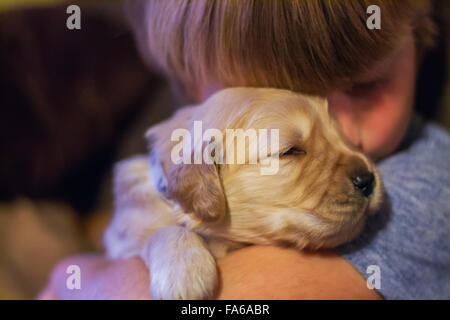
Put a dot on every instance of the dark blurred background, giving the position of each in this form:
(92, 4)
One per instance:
(72, 103)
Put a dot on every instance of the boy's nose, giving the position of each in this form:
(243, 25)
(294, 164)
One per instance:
(343, 109)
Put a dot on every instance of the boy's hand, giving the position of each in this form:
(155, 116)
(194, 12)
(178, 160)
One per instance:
(101, 279)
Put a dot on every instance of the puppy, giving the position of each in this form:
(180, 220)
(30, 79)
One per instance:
(180, 217)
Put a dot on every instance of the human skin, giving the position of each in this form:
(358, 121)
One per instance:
(373, 113)
(249, 273)
(375, 110)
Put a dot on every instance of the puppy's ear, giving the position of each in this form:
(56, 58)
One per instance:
(156, 134)
(198, 189)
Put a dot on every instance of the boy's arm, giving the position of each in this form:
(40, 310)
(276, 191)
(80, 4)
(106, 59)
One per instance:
(251, 273)
(259, 272)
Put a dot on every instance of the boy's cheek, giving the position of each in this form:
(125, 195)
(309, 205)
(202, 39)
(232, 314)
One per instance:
(375, 123)
(388, 118)
(375, 126)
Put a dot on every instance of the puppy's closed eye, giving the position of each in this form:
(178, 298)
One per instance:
(293, 151)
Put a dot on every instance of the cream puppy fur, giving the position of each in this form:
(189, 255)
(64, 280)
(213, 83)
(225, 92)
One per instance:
(180, 217)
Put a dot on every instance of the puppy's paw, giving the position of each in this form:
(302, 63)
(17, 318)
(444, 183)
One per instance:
(194, 280)
(181, 266)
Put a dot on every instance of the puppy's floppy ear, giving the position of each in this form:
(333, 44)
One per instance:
(156, 133)
(198, 189)
(158, 136)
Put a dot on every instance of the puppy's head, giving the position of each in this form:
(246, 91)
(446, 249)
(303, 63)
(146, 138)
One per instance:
(320, 195)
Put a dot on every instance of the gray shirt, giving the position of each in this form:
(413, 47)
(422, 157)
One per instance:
(405, 249)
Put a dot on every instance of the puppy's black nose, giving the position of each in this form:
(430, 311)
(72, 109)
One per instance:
(364, 181)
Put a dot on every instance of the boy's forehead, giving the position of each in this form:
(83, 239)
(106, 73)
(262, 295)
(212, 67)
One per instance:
(387, 63)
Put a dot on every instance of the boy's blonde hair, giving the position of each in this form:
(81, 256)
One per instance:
(302, 45)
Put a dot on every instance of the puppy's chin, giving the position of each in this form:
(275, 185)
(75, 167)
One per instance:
(343, 219)
(347, 222)
(315, 232)
(302, 229)
(338, 234)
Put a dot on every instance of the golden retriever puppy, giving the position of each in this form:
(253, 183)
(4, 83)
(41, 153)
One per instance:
(248, 166)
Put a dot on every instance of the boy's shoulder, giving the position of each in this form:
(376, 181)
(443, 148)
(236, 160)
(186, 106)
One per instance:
(422, 136)
(423, 165)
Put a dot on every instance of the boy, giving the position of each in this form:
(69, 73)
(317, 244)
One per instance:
(368, 76)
